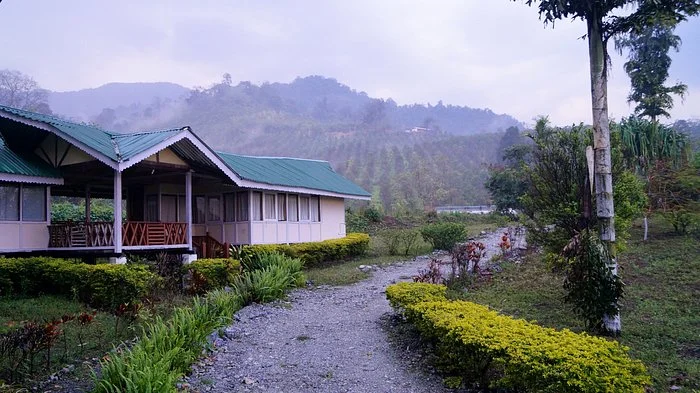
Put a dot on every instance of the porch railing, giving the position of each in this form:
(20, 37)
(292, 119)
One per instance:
(101, 234)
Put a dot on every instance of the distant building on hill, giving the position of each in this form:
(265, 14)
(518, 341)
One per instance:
(415, 130)
(478, 209)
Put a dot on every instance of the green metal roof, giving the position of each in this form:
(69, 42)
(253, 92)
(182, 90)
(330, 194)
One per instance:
(116, 147)
(15, 165)
(292, 172)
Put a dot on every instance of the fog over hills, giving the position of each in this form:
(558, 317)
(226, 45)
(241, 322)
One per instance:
(409, 156)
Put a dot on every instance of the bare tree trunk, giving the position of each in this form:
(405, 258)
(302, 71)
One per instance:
(601, 146)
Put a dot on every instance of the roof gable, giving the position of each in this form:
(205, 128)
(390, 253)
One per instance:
(12, 164)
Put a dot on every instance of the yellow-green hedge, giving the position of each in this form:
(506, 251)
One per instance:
(208, 274)
(102, 285)
(316, 253)
(481, 344)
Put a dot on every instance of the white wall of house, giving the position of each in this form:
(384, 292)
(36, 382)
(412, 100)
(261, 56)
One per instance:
(220, 217)
(24, 218)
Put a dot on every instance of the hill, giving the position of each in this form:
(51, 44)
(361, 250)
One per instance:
(85, 104)
(408, 156)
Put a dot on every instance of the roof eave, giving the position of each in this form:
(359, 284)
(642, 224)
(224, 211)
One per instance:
(73, 141)
(15, 178)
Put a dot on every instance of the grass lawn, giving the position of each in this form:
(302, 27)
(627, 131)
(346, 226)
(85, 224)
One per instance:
(660, 311)
(76, 342)
(347, 273)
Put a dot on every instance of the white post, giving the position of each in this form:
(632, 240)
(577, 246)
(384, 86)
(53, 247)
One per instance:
(117, 212)
(48, 204)
(88, 203)
(188, 207)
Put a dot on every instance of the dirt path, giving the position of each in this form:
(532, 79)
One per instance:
(327, 339)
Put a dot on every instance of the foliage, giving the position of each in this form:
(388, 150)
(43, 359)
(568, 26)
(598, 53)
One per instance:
(443, 236)
(400, 241)
(645, 142)
(209, 274)
(168, 348)
(490, 349)
(676, 193)
(21, 91)
(102, 285)
(592, 288)
(660, 306)
(647, 66)
(558, 201)
(466, 258)
(317, 253)
(431, 274)
(70, 209)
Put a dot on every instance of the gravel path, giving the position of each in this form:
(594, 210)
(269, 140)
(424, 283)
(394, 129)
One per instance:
(326, 339)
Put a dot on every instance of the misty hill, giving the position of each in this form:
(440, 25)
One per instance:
(408, 156)
(85, 104)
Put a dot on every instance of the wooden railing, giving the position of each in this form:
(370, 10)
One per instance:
(70, 234)
(208, 247)
(67, 234)
(154, 233)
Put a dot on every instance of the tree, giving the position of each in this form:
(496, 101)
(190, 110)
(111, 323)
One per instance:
(647, 66)
(21, 91)
(603, 21)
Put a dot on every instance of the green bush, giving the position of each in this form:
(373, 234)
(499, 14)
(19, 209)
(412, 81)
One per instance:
(102, 285)
(168, 348)
(316, 253)
(401, 241)
(490, 349)
(443, 236)
(208, 274)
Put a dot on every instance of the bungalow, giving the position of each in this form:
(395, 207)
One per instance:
(173, 192)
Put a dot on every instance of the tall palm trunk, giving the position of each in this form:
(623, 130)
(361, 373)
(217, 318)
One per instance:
(601, 147)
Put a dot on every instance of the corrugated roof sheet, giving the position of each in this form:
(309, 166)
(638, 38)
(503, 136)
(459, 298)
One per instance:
(15, 165)
(130, 145)
(291, 172)
(91, 136)
(116, 147)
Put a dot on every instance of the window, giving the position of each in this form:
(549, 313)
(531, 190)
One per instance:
(9, 203)
(214, 212)
(303, 208)
(181, 209)
(293, 208)
(152, 208)
(282, 207)
(168, 208)
(229, 207)
(314, 209)
(199, 210)
(242, 206)
(257, 206)
(270, 207)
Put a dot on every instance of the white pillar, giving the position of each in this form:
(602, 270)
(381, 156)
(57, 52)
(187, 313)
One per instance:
(117, 212)
(48, 204)
(188, 207)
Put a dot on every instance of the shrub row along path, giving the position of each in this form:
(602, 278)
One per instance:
(325, 339)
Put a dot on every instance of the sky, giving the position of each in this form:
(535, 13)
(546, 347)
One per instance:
(493, 54)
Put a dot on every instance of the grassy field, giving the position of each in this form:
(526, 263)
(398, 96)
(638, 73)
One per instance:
(77, 343)
(660, 311)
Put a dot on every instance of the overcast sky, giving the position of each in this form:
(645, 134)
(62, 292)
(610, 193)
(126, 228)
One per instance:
(488, 54)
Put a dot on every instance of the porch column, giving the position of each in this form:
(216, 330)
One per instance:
(188, 207)
(117, 212)
(88, 204)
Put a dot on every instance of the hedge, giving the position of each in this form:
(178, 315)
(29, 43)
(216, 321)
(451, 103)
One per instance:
(482, 345)
(317, 253)
(208, 274)
(102, 285)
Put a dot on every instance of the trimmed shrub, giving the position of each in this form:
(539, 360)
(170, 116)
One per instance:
(483, 346)
(102, 285)
(444, 236)
(168, 348)
(317, 253)
(208, 274)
